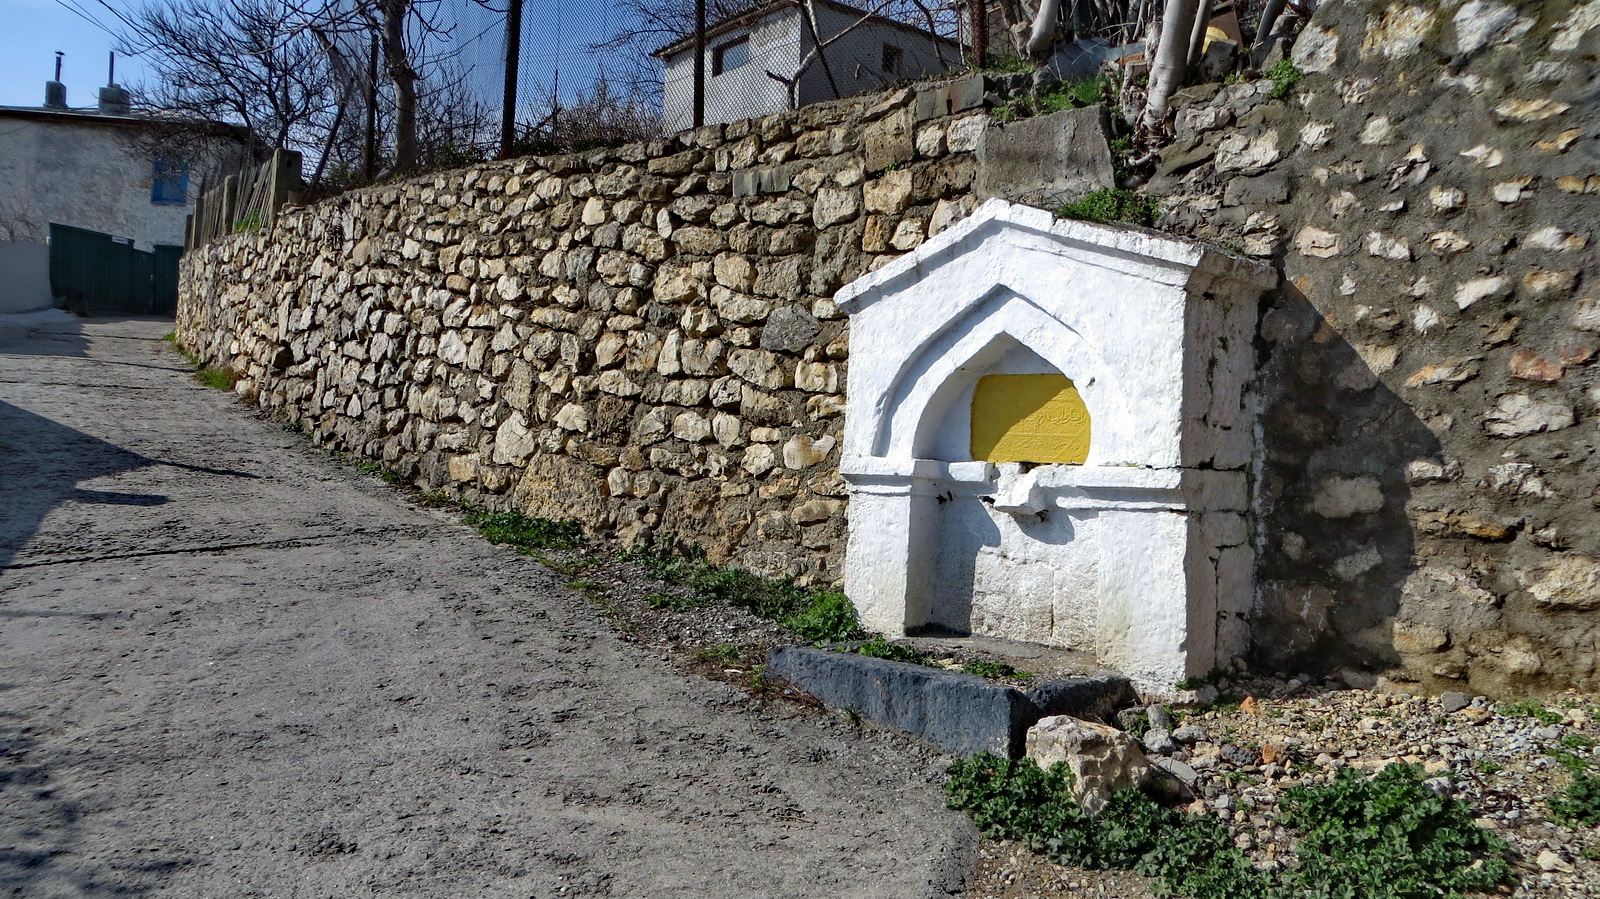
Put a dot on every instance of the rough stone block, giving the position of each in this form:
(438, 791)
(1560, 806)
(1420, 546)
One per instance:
(1046, 160)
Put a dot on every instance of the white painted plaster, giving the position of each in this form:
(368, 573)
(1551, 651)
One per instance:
(1124, 556)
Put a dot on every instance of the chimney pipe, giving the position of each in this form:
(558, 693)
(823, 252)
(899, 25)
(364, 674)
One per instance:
(114, 100)
(55, 93)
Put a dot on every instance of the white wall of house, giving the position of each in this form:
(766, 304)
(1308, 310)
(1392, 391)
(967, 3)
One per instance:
(857, 57)
(779, 43)
(740, 93)
(84, 174)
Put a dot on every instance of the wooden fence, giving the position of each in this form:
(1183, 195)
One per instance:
(244, 201)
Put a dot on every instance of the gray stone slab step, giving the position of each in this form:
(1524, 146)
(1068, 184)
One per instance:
(957, 713)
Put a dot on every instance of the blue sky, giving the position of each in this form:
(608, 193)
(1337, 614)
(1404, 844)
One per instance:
(555, 33)
(34, 29)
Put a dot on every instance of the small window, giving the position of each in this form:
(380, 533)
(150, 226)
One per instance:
(170, 185)
(892, 59)
(730, 56)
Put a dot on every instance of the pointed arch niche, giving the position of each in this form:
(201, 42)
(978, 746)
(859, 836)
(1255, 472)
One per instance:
(1101, 374)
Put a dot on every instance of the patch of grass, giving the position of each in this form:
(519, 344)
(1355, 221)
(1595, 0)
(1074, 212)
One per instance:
(879, 648)
(1577, 742)
(525, 533)
(1071, 95)
(217, 378)
(673, 602)
(435, 500)
(1527, 708)
(1567, 760)
(820, 616)
(1114, 204)
(1388, 837)
(1284, 76)
(1008, 64)
(723, 654)
(1488, 766)
(379, 470)
(171, 337)
(581, 584)
(994, 670)
(298, 426)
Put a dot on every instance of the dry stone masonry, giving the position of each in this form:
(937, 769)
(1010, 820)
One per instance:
(646, 338)
(1428, 480)
(642, 338)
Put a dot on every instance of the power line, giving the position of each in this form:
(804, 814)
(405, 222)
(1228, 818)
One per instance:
(85, 16)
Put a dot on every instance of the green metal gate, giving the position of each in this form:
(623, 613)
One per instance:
(99, 274)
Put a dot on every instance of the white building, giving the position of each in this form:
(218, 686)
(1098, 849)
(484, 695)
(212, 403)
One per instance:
(102, 169)
(765, 60)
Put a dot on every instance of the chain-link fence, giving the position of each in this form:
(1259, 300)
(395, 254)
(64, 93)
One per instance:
(524, 76)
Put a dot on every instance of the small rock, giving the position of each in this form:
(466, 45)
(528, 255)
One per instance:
(1189, 733)
(1442, 786)
(1159, 717)
(1159, 740)
(1101, 758)
(1549, 861)
(1454, 701)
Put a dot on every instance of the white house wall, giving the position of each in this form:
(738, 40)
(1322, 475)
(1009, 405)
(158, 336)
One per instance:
(856, 57)
(742, 93)
(85, 176)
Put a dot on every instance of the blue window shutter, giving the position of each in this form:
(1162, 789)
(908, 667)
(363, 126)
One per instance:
(170, 184)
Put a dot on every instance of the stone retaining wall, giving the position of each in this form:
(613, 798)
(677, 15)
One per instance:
(1429, 480)
(639, 338)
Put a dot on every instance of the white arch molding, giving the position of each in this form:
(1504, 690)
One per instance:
(1111, 556)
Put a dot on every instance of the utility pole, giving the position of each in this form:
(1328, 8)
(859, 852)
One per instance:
(980, 33)
(699, 63)
(508, 99)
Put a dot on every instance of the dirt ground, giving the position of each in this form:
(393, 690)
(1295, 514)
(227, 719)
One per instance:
(231, 666)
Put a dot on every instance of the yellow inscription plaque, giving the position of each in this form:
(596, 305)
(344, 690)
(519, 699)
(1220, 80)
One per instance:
(1029, 418)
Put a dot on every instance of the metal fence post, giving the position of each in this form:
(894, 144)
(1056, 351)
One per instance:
(699, 63)
(508, 100)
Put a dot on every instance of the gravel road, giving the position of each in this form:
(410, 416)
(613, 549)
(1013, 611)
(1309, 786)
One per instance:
(231, 666)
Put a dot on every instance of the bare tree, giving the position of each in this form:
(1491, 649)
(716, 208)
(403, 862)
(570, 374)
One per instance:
(240, 61)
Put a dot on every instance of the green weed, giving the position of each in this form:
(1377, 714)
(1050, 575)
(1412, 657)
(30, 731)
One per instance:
(1577, 742)
(217, 378)
(723, 654)
(1009, 64)
(525, 533)
(879, 648)
(994, 670)
(1389, 837)
(379, 470)
(819, 616)
(1284, 77)
(1113, 205)
(673, 602)
(1527, 708)
(1488, 766)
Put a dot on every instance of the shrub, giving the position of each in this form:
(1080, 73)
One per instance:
(1284, 77)
(830, 618)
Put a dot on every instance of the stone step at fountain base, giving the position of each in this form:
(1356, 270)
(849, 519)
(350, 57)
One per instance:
(952, 711)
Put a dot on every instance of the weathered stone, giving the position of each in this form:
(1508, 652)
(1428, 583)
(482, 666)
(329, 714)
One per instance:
(1248, 153)
(890, 140)
(1316, 50)
(1530, 366)
(1344, 497)
(1314, 241)
(789, 329)
(1047, 159)
(835, 205)
(803, 452)
(1469, 292)
(572, 417)
(1518, 414)
(1101, 758)
(1570, 582)
(890, 194)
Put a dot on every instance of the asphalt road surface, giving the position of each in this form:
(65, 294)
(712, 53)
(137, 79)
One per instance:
(232, 666)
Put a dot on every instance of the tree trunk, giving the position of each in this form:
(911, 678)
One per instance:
(404, 78)
(1171, 60)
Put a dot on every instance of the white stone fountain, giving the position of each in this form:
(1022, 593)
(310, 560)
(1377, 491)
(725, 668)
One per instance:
(1048, 438)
